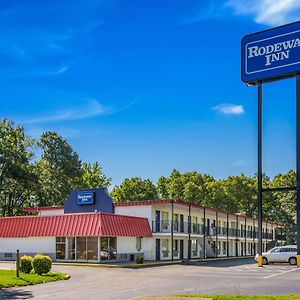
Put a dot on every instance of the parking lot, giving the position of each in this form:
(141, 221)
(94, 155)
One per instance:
(240, 276)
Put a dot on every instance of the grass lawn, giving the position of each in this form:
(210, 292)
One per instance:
(241, 297)
(8, 278)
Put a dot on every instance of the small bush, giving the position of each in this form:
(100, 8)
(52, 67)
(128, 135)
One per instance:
(41, 264)
(26, 264)
(139, 259)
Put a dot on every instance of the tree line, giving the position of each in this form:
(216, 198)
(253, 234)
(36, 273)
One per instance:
(42, 172)
(236, 194)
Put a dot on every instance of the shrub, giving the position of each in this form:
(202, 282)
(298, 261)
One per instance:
(26, 264)
(41, 264)
(139, 259)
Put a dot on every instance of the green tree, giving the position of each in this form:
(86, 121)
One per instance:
(198, 188)
(285, 210)
(16, 173)
(176, 186)
(58, 170)
(134, 189)
(92, 176)
(163, 187)
(217, 197)
(241, 191)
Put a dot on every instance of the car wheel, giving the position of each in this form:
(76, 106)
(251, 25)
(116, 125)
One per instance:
(293, 261)
(265, 261)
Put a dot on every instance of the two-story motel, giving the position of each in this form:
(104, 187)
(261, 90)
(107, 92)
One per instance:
(91, 227)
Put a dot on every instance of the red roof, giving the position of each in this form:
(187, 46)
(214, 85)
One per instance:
(85, 224)
(36, 209)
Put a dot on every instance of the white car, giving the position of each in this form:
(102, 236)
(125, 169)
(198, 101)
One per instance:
(280, 254)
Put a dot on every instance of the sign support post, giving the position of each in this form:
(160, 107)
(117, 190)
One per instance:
(267, 56)
(259, 173)
(298, 164)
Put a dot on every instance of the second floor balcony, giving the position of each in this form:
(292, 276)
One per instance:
(165, 226)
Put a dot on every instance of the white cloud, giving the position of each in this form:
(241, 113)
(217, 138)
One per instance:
(209, 9)
(229, 109)
(268, 12)
(91, 108)
(61, 70)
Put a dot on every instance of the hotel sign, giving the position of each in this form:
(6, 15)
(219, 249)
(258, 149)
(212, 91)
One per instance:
(271, 54)
(84, 198)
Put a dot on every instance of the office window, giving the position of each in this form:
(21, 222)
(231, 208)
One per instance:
(72, 248)
(81, 248)
(60, 248)
(92, 248)
(112, 248)
(108, 248)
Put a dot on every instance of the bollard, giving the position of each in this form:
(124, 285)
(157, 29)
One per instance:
(18, 264)
(260, 261)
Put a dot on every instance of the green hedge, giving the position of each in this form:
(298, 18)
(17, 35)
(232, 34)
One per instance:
(26, 264)
(41, 264)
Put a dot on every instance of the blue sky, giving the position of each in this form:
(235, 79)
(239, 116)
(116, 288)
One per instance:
(146, 86)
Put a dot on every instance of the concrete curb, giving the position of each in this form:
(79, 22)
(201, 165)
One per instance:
(150, 264)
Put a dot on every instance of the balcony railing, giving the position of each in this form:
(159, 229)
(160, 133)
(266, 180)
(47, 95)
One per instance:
(164, 226)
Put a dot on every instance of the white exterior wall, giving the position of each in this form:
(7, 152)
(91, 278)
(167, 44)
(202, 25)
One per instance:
(128, 245)
(30, 246)
(51, 212)
(143, 211)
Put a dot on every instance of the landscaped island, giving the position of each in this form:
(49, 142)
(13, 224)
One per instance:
(8, 278)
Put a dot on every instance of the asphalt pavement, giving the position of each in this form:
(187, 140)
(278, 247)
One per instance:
(213, 277)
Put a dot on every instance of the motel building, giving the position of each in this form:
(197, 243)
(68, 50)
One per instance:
(90, 227)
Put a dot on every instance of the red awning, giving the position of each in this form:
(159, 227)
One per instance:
(85, 224)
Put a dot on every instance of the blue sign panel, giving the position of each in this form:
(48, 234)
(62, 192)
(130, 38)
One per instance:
(85, 198)
(271, 54)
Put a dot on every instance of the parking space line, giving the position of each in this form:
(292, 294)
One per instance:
(281, 273)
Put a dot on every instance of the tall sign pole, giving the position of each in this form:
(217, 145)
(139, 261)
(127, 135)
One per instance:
(298, 164)
(266, 56)
(259, 173)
